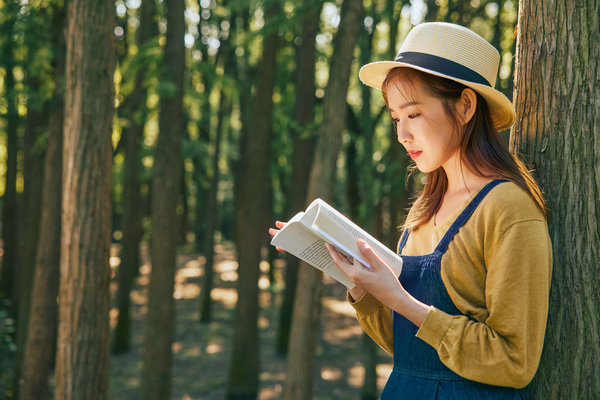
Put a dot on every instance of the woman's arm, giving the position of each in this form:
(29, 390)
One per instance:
(505, 348)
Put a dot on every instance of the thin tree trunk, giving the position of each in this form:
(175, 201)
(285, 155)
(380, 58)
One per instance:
(31, 203)
(302, 158)
(83, 333)
(9, 200)
(40, 344)
(557, 98)
(307, 309)
(213, 216)
(166, 180)
(132, 212)
(252, 222)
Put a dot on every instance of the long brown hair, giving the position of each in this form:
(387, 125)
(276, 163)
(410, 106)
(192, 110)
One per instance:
(481, 149)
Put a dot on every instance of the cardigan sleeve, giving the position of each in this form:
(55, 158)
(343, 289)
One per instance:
(505, 348)
(376, 319)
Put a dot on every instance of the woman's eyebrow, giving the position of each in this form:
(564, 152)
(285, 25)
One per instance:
(403, 106)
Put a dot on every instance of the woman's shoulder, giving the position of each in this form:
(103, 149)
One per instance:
(510, 203)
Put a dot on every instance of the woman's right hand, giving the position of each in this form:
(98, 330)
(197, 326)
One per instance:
(273, 231)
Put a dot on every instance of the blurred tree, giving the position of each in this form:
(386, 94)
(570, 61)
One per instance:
(134, 108)
(212, 201)
(557, 99)
(303, 145)
(83, 333)
(307, 308)
(40, 344)
(166, 180)
(8, 278)
(34, 19)
(251, 222)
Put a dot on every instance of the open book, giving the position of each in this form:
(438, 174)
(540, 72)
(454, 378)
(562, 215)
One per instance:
(304, 236)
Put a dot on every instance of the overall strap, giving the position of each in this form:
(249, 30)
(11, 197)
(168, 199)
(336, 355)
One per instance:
(404, 239)
(464, 216)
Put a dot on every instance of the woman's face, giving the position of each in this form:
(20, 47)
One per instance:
(423, 127)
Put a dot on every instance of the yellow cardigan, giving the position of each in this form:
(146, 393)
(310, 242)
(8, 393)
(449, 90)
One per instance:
(497, 271)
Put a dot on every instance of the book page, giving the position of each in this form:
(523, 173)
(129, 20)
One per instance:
(343, 233)
(299, 241)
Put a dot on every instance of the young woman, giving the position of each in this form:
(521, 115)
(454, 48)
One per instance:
(467, 316)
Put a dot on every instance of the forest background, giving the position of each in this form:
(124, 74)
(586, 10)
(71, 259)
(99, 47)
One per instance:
(146, 147)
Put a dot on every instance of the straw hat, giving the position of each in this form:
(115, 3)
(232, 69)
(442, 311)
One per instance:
(453, 52)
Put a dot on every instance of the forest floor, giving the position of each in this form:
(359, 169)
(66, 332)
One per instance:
(202, 351)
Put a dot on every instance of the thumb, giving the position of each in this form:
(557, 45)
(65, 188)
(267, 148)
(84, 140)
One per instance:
(369, 255)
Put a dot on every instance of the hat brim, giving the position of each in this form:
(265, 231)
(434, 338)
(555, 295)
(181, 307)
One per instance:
(501, 108)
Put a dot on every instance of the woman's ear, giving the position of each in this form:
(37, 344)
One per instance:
(467, 104)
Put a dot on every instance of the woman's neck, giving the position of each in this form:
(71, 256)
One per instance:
(461, 180)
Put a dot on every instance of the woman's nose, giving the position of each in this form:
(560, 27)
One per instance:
(402, 132)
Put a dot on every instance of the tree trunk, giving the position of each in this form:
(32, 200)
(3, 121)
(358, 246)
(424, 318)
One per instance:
(132, 212)
(166, 181)
(83, 333)
(302, 158)
(29, 232)
(39, 347)
(252, 223)
(307, 309)
(9, 200)
(212, 215)
(557, 100)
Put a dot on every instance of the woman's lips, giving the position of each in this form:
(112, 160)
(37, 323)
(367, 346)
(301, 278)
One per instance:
(414, 154)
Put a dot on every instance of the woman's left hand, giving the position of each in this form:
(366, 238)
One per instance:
(381, 282)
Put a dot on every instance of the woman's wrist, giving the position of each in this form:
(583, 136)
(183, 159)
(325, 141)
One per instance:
(356, 293)
(409, 307)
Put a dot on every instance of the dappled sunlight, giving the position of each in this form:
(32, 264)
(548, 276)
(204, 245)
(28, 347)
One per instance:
(331, 374)
(263, 322)
(264, 266)
(176, 347)
(186, 291)
(264, 283)
(191, 269)
(213, 348)
(228, 297)
(356, 375)
(338, 306)
(226, 266)
(114, 261)
(337, 336)
(113, 316)
(383, 373)
(271, 392)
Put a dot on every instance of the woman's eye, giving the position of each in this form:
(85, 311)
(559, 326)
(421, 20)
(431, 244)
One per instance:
(412, 116)
(395, 120)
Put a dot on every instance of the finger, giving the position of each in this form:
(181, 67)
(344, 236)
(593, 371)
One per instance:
(273, 232)
(369, 255)
(279, 224)
(337, 257)
(279, 249)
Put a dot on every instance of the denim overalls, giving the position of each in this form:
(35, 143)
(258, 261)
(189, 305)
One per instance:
(418, 373)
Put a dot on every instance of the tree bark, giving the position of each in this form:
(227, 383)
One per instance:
(302, 158)
(40, 344)
(307, 309)
(83, 333)
(9, 200)
(31, 210)
(132, 198)
(166, 181)
(252, 224)
(557, 99)
(212, 214)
